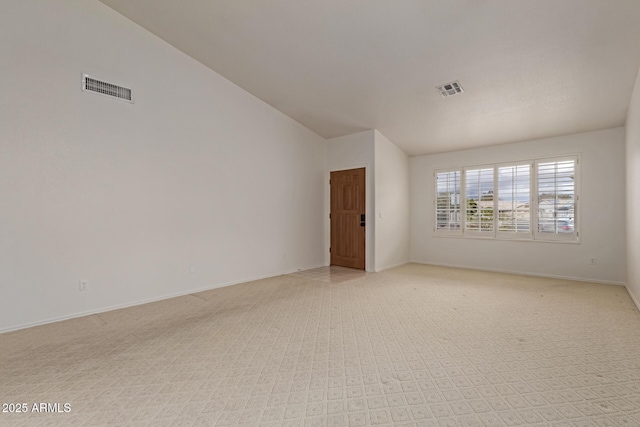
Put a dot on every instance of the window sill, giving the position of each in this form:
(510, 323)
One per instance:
(504, 239)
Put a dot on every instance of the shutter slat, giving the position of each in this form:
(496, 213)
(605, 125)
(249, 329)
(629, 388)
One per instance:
(479, 206)
(556, 196)
(514, 199)
(448, 201)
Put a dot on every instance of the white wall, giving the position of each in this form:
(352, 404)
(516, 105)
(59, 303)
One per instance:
(391, 204)
(128, 196)
(351, 152)
(633, 194)
(601, 216)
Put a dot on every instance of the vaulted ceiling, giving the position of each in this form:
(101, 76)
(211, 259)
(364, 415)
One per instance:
(529, 68)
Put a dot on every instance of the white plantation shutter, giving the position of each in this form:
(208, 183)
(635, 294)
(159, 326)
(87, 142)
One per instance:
(556, 188)
(448, 201)
(514, 199)
(534, 200)
(479, 206)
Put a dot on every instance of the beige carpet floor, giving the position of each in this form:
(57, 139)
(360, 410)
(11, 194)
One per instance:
(412, 346)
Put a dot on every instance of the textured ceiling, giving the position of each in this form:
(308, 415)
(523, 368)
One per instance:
(529, 68)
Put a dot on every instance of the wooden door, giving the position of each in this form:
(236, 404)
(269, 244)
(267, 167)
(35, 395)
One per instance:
(347, 215)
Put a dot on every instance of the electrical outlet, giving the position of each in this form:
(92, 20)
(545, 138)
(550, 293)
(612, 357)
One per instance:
(592, 261)
(192, 269)
(82, 285)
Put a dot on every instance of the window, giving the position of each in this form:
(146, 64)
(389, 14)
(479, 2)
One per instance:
(479, 200)
(521, 200)
(556, 187)
(514, 199)
(448, 201)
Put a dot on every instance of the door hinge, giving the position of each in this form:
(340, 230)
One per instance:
(329, 216)
(329, 249)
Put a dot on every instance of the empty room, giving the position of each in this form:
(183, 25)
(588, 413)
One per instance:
(320, 213)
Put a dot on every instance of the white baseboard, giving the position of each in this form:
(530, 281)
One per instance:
(131, 304)
(378, 270)
(524, 273)
(222, 285)
(633, 297)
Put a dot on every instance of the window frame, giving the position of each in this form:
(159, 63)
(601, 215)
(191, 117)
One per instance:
(533, 234)
(515, 235)
(463, 217)
(449, 231)
(559, 237)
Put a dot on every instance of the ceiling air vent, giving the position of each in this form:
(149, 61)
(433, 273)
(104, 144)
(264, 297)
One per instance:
(109, 89)
(450, 89)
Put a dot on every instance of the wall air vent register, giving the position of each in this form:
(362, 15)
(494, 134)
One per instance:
(90, 84)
